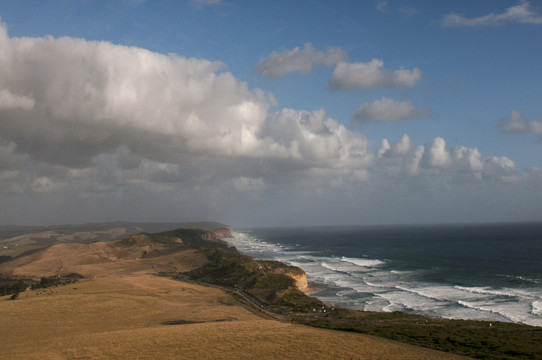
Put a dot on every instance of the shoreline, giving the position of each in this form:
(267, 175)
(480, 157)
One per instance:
(314, 289)
(474, 338)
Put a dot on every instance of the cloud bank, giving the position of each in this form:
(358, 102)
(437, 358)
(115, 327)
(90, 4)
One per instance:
(521, 14)
(93, 131)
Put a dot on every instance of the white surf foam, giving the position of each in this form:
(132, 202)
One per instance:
(334, 268)
(362, 262)
(489, 291)
(482, 308)
(422, 292)
(536, 308)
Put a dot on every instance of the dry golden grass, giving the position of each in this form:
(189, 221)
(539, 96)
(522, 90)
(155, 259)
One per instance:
(98, 259)
(121, 317)
(16, 245)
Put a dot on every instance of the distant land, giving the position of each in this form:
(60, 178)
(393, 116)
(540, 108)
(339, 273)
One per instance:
(15, 240)
(148, 290)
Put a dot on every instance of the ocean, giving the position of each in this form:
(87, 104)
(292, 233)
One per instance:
(484, 272)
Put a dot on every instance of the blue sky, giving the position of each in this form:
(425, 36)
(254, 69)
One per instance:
(344, 112)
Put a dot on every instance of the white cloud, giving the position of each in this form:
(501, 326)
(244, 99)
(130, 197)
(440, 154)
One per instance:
(396, 149)
(387, 109)
(371, 75)
(516, 123)
(299, 60)
(91, 97)
(513, 124)
(125, 114)
(521, 14)
(435, 163)
(468, 159)
(435, 154)
(314, 139)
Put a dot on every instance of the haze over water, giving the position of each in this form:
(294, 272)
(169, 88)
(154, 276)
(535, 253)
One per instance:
(486, 272)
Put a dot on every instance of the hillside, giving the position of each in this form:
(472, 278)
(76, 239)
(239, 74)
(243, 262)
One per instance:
(121, 309)
(149, 317)
(16, 240)
(170, 251)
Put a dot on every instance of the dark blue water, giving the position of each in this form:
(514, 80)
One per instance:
(491, 272)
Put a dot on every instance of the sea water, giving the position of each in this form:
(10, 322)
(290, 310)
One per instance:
(484, 272)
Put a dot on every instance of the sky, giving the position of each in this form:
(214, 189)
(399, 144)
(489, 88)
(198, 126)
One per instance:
(276, 113)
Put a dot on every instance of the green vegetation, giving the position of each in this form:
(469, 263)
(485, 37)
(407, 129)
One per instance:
(192, 238)
(9, 286)
(167, 242)
(264, 280)
(478, 339)
(46, 282)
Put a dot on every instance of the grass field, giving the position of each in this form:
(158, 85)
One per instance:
(124, 317)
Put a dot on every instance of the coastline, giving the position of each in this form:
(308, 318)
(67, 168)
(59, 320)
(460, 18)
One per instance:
(474, 338)
(380, 285)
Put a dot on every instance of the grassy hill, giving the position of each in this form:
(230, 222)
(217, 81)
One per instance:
(17, 240)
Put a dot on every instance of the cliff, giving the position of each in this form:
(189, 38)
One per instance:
(301, 282)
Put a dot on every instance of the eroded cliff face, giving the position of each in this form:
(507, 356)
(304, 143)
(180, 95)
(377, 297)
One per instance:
(301, 282)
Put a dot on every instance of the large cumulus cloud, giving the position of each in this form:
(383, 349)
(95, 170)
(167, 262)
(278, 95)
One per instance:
(74, 104)
(67, 100)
